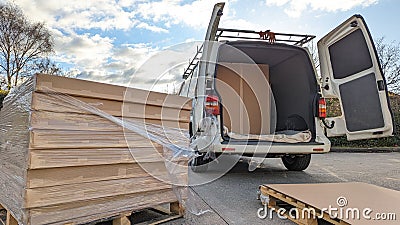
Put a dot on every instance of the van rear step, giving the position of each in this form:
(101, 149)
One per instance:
(258, 142)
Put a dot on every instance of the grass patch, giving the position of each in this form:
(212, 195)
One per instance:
(3, 94)
(334, 110)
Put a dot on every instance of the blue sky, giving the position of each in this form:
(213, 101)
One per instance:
(108, 40)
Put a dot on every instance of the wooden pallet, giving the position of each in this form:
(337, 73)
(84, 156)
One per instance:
(277, 200)
(9, 220)
(172, 212)
(333, 203)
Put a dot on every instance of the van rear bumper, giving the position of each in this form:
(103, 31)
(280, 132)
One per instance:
(271, 148)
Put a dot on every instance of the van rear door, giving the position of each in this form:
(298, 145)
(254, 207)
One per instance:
(351, 72)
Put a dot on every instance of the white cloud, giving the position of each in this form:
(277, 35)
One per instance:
(112, 65)
(195, 14)
(132, 56)
(165, 67)
(97, 58)
(100, 56)
(122, 14)
(92, 55)
(151, 28)
(294, 8)
(240, 24)
(78, 14)
(86, 50)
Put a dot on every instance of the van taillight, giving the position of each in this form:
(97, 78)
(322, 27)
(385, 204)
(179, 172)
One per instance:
(322, 108)
(212, 105)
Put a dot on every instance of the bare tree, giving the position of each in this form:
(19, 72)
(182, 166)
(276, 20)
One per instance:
(3, 83)
(22, 43)
(312, 48)
(47, 66)
(389, 58)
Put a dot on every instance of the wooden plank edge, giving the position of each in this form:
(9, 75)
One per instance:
(177, 208)
(123, 220)
(186, 106)
(41, 167)
(10, 219)
(170, 218)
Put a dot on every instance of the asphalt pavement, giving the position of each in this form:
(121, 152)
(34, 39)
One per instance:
(231, 199)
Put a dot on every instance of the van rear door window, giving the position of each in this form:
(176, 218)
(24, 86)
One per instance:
(350, 55)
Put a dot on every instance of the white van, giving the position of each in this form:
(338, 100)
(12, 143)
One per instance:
(258, 93)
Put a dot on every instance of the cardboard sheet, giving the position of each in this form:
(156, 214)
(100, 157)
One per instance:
(246, 97)
(48, 102)
(76, 87)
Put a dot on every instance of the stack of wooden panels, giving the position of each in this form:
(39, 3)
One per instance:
(64, 162)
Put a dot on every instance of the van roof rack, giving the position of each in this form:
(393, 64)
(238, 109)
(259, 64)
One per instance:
(294, 39)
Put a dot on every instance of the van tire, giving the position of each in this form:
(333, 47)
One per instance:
(296, 162)
(198, 164)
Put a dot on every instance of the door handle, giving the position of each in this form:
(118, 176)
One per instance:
(381, 85)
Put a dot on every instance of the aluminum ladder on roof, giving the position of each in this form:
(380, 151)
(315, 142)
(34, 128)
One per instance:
(188, 72)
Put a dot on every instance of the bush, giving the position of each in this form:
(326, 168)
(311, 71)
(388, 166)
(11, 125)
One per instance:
(3, 94)
(380, 142)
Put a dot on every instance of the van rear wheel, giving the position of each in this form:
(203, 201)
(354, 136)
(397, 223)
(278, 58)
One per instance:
(296, 162)
(198, 164)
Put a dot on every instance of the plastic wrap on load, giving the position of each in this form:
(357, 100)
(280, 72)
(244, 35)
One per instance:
(85, 154)
(14, 143)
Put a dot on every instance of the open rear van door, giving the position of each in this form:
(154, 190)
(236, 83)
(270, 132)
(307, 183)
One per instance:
(351, 72)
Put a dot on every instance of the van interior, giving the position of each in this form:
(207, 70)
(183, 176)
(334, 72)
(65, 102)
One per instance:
(244, 71)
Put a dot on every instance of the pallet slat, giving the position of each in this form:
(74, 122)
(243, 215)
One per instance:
(121, 221)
